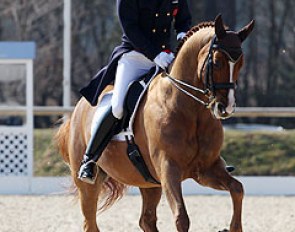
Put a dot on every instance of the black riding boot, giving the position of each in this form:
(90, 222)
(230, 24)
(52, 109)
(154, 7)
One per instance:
(103, 133)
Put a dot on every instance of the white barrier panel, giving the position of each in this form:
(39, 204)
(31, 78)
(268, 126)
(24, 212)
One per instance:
(261, 186)
(15, 152)
(16, 132)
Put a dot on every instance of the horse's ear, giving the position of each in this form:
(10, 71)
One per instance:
(219, 27)
(245, 31)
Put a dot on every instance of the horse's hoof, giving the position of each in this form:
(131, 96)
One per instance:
(224, 230)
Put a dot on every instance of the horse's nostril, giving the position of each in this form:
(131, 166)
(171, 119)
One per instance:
(221, 108)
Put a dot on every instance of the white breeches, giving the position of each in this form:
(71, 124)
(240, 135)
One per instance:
(131, 66)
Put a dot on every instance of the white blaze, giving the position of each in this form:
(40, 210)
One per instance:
(231, 94)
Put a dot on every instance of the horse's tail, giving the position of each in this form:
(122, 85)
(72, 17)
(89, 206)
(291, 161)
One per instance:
(62, 140)
(111, 192)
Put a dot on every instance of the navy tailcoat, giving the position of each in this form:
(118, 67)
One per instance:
(146, 26)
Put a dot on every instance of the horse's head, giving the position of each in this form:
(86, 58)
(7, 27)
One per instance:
(219, 65)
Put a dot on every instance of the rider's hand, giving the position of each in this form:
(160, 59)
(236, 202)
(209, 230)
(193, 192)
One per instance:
(163, 59)
(180, 36)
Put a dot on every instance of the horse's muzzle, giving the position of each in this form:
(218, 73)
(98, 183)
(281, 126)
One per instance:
(220, 111)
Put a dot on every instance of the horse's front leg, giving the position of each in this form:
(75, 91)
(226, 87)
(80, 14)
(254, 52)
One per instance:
(150, 200)
(218, 178)
(171, 184)
(237, 193)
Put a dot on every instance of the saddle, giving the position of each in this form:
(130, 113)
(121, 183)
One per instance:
(124, 131)
(133, 97)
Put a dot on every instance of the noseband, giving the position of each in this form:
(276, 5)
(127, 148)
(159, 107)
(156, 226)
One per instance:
(210, 86)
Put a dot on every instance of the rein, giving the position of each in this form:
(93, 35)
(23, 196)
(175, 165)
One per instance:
(177, 84)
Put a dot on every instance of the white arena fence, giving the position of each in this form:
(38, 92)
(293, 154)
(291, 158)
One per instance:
(249, 112)
(19, 181)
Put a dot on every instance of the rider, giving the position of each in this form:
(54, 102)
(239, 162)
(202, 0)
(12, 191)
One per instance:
(145, 43)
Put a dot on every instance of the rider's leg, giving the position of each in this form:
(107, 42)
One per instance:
(130, 67)
(102, 132)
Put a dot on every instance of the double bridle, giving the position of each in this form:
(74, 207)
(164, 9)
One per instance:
(209, 86)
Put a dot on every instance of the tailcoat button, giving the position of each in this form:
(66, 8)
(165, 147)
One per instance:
(154, 30)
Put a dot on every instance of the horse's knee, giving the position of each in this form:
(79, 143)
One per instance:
(237, 188)
(148, 221)
(147, 217)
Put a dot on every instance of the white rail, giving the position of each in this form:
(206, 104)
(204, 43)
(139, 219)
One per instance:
(38, 110)
(272, 112)
(251, 112)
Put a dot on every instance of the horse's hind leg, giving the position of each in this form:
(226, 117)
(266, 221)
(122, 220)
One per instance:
(88, 195)
(218, 178)
(150, 200)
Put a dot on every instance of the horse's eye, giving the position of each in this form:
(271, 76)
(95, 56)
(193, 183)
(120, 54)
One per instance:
(217, 64)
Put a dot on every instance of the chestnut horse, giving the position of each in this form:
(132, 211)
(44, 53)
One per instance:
(177, 129)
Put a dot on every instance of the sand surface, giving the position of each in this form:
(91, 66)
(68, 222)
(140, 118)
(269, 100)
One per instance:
(60, 213)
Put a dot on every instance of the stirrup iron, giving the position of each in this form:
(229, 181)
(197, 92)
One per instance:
(82, 174)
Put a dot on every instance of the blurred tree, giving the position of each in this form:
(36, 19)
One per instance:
(268, 77)
(226, 7)
(196, 9)
(95, 33)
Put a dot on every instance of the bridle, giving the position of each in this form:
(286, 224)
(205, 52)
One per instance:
(209, 80)
(210, 86)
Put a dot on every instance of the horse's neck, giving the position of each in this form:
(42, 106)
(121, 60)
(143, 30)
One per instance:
(186, 62)
(185, 68)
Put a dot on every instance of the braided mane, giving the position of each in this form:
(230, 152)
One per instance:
(192, 31)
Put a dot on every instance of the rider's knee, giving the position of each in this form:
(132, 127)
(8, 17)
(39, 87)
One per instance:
(117, 110)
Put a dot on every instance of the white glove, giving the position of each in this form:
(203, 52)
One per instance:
(163, 59)
(180, 35)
